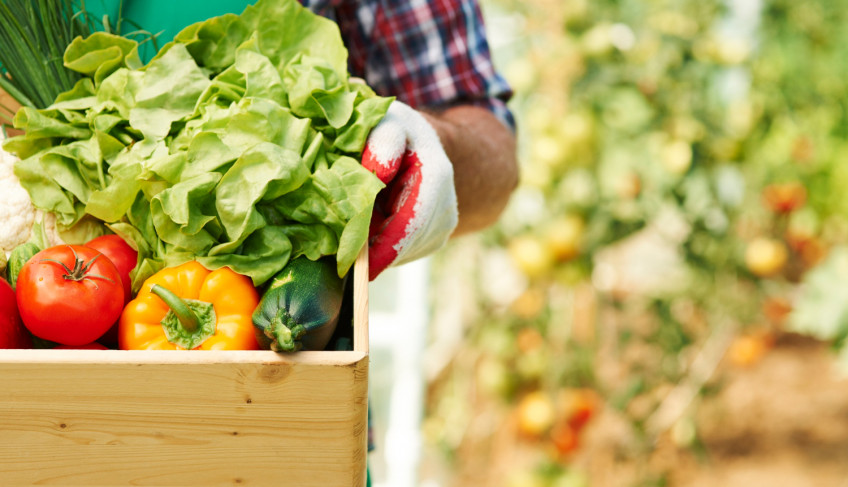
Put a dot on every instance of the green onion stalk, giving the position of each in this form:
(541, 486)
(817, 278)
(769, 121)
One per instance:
(33, 37)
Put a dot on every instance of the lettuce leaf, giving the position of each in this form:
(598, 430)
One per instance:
(236, 145)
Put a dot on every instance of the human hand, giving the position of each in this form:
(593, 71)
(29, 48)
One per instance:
(415, 214)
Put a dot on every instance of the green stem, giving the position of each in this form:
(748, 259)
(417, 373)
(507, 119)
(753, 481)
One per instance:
(285, 333)
(81, 267)
(181, 310)
(15, 93)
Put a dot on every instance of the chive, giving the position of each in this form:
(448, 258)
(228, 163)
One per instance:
(33, 38)
(8, 87)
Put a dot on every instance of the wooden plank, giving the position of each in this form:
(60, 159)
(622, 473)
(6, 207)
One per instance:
(294, 420)
(8, 104)
(164, 357)
(360, 302)
(8, 107)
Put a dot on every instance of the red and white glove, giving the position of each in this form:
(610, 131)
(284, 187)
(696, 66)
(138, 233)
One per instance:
(416, 212)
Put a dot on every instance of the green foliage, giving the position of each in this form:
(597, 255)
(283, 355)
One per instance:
(34, 34)
(706, 162)
(241, 155)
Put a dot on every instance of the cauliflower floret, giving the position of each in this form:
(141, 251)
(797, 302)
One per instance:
(16, 210)
(17, 213)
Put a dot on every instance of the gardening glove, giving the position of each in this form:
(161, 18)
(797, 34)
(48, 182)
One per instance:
(415, 214)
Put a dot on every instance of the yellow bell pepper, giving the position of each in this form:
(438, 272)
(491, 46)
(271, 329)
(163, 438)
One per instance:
(190, 307)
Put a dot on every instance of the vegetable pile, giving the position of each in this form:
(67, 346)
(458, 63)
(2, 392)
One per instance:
(72, 296)
(235, 146)
(186, 188)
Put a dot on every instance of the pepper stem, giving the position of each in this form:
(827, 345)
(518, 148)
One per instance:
(179, 307)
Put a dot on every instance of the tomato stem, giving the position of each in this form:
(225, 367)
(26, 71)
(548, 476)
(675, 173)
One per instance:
(181, 310)
(81, 268)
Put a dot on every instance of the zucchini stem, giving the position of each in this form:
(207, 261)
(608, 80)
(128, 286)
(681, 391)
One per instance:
(285, 333)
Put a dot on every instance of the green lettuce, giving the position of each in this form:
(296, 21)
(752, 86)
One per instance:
(236, 145)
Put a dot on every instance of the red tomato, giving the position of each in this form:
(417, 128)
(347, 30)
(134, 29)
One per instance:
(69, 294)
(121, 254)
(125, 258)
(578, 406)
(565, 438)
(12, 331)
(784, 197)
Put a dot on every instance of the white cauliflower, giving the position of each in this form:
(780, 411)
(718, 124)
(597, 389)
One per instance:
(16, 210)
(17, 213)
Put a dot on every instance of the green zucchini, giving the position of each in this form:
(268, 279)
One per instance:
(301, 307)
(17, 258)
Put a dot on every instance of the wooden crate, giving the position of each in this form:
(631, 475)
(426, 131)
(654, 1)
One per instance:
(181, 418)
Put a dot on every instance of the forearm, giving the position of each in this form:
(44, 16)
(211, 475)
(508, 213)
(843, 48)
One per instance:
(483, 153)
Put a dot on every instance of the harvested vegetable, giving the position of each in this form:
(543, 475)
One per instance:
(69, 294)
(237, 145)
(16, 211)
(300, 308)
(125, 258)
(19, 256)
(12, 331)
(34, 34)
(121, 254)
(189, 307)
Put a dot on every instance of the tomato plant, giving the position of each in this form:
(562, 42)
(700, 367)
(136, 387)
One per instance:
(749, 348)
(565, 439)
(578, 406)
(536, 414)
(660, 212)
(784, 197)
(765, 256)
(531, 255)
(12, 332)
(69, 294)
(564, 236)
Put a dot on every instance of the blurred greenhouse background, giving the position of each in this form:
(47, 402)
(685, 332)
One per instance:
(664, 302)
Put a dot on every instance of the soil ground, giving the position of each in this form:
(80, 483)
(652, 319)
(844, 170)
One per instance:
(782, 422)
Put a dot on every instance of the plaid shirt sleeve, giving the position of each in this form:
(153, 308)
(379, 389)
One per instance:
(427, 53)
